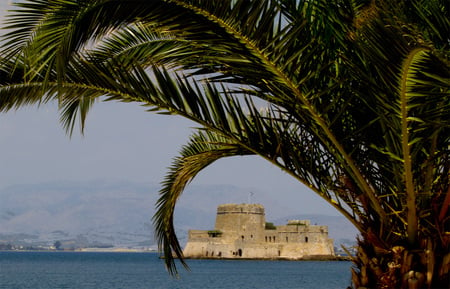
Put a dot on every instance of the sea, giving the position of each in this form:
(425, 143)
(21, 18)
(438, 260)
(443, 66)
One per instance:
(112, 270)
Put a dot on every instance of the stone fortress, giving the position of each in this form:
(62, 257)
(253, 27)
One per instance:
(241, 232)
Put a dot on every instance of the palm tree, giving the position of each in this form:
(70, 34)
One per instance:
(349, 97)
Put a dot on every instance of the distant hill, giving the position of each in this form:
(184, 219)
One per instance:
(119, 213)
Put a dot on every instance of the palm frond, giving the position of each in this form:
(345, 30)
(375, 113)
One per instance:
(204, 148)
(351, 98)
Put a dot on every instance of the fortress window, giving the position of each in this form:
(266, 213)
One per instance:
(287, 239)
(306, 239)
(242, 237)
(240, 252)
(266, 239)
(274, 238)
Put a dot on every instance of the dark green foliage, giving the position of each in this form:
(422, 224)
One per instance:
(351, 98)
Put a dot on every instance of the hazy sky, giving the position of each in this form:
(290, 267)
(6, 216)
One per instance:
(124, 142)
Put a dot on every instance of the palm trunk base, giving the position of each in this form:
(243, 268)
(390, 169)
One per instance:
(399, 267)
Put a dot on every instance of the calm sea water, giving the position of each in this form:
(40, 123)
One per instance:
(58, 270)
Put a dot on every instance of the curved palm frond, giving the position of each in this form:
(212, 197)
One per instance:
(278, 80)
(268, 133)
(204, 148)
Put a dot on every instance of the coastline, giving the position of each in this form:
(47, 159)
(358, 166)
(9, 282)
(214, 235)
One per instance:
(88, 250)
(115, 250)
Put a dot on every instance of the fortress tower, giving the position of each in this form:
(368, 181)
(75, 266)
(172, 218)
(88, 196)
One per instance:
(240, 219)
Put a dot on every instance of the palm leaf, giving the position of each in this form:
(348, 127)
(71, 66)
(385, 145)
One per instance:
(204, 148)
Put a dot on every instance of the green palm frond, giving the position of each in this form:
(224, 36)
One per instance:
(204, 148)
(141, 43)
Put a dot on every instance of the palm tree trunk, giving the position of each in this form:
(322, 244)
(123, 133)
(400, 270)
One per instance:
(400, 267)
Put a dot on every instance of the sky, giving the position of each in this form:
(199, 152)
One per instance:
(125, 142)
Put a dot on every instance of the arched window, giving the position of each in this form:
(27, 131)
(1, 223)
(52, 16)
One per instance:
(240, 252)
(287, 239)
(306, 239)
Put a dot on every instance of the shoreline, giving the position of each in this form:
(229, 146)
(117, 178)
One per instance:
(309, 258)
(89, 250)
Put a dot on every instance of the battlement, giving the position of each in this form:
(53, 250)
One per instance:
(256, 209)
(299, 222)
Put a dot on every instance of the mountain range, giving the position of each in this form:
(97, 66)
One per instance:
(119, 214)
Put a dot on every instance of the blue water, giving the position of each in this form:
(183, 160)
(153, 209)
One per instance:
(58, 270)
